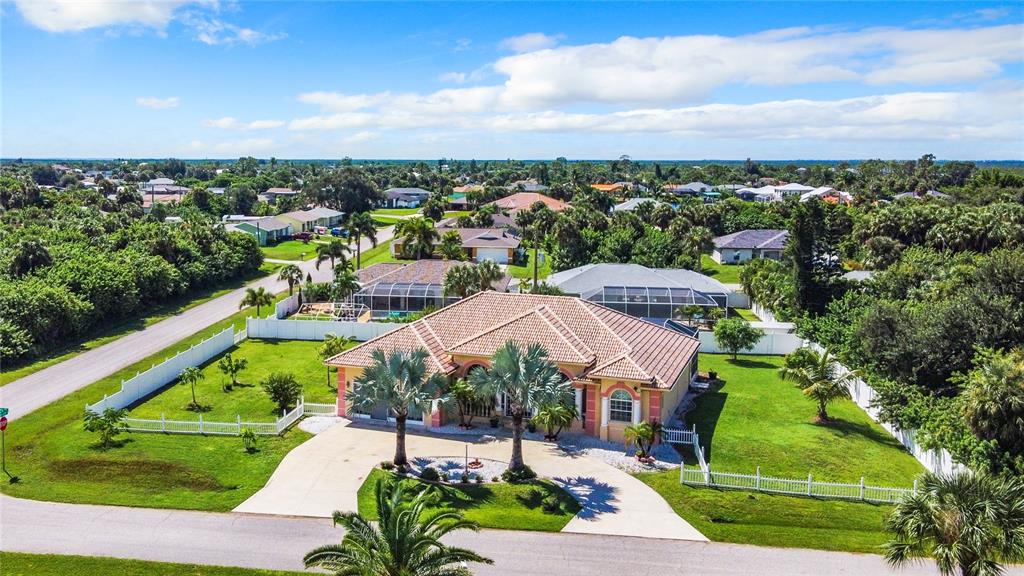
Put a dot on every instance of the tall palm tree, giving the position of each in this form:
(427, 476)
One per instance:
(346, 283)
(696, 242)
(819, 378)
(29, 254)
(487, 273)
(361, 225)
(418, 236)
(524, 378)
(969, 523)
(450, 247)
(398, 380)
(257, 297)
(460, 281)
(292, 274)
(405, 542)
(334, 250)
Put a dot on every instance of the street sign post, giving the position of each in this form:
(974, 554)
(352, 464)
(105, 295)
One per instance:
(3, 445)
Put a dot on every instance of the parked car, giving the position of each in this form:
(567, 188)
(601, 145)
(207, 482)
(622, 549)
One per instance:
(304, 236)
(338, 232)
(320, 230)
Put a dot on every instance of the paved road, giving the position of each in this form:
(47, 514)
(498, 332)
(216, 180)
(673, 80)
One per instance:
(45, 386)
(254, 541)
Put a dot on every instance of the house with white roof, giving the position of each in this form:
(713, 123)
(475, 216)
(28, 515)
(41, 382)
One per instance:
(633, 203)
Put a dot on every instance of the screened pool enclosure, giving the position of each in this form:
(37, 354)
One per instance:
(650, 302)
(398, 299)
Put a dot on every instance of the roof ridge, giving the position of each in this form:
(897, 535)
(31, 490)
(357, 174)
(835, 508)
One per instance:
(426, 345)
(781, 232)
(548, 315)
(490, 328)
(586, 305)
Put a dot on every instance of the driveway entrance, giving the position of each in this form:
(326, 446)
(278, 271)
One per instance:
(325, 473)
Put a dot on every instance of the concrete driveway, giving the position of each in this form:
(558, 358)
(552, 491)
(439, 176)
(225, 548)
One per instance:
(324, 474)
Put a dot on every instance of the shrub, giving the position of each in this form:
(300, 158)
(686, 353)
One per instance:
(248, 439)
(734, 335)
(479, 479)
(495, 479)
(430, 475)
(521, 475)
(107, 424)
(387, 465)
(464, 478)
(282, 389)
(551, 505)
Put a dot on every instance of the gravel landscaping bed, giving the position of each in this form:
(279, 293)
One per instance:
(317, 424)
(618, 455)
(447, 465)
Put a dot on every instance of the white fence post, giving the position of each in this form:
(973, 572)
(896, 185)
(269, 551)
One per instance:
(810, 483)
(862, 487)
(200, 423)
(757, 481)
(238, 420)
(163, 422)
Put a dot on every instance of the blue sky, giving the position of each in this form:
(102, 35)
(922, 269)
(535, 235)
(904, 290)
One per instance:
(525, 80)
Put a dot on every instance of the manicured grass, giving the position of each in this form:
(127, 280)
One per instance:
(756, 419)
(525, 271)
(57, 460)
(378, 254)
(385, 221)
(457, 213)
(725, 273)
(290, 250)
(771, 520)
(744, 313)
(394, 211)
(492, 505)
(152, 316)
(246, 399)
(17, 564)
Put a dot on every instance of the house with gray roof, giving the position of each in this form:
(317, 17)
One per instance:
(644, 292)
(267, 230)
(405, 197)
(310, 220)
(745, 245)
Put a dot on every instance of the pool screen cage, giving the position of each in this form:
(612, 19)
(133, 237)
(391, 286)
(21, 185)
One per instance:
(391, 299)
(649, 302)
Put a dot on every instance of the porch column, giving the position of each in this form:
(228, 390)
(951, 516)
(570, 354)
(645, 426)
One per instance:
(605, 411)
(342, 389)
(436, 418)
(636, 411)
(580, 408)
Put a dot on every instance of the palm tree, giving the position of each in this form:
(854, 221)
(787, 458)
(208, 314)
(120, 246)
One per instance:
(405, 542)
(191, 376)
(418, 236)
(969, 523)
(487, 273)
(696, 242)
(642, 435)
(346, 283)
(398, 380)
(451, 246)
(818, 376)
(460, 281)
(359, 225)
(29, 254)
(257, 297)
(334, 250)
(523, 379)
(292, 274)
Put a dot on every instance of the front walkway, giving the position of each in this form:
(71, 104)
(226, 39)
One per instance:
(324, 474)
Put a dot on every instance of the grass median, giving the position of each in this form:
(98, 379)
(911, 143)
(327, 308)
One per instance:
(17, 564)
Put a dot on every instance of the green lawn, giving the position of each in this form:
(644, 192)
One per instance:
(290, 250)
(378, 254)
(247, 398)
(57, 460)
(526, 270)
(394, 211)
(744, 313)
(771, 520)
(17, 564)
(755, 419)
(725, 273)
(152, 316)
(492, 505)
(457, 213)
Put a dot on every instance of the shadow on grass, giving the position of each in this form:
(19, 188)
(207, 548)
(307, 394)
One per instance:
(844, 428)
(705, 414)
(748, 363)
(112, 445)
(595, 497)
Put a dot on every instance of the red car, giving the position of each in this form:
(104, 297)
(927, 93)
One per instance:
(305, 236)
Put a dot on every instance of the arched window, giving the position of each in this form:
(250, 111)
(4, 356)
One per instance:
(620, 406)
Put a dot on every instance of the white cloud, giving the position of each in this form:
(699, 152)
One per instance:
(157, 103)
(530, 42)
(213, 31)
(230, 123)
(454, 77)
(73, 15)
(360, 137)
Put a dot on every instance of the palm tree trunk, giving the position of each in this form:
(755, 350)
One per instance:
(536, 254)
(516, 463)
(194, 403)
(400, 458)
(359, 252)
(822, 412)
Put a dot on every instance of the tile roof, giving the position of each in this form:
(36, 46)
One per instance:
(763, 239)
(610, 344)
(524, 200)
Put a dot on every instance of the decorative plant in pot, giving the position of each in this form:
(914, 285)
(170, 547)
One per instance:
(643, 436)
(495, 420)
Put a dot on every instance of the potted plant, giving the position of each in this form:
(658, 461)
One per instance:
(495, 420)
(531, 426)
(712, 375)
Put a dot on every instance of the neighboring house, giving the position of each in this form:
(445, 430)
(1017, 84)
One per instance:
(309, 220)
(644, 292)
(272, 194)
(609, 188)
(405, 197)
(458, 201)
(162, 186)
(749, 245)
(858, 275)
(480, 244)
(828, 194)
(393, 289)
(793, 189)
(530, 185)
(762, 194)
(623, 370)
(915, 196)
(267, 230)
(633, 203)
(692, 188)
(149, 200)
(524, 200)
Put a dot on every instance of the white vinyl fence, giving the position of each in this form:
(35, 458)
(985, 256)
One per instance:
(235, 428)
(686, 437)
(792, 486)
(773, 341)
(315, 329)
(162, 374)
(937, 461)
